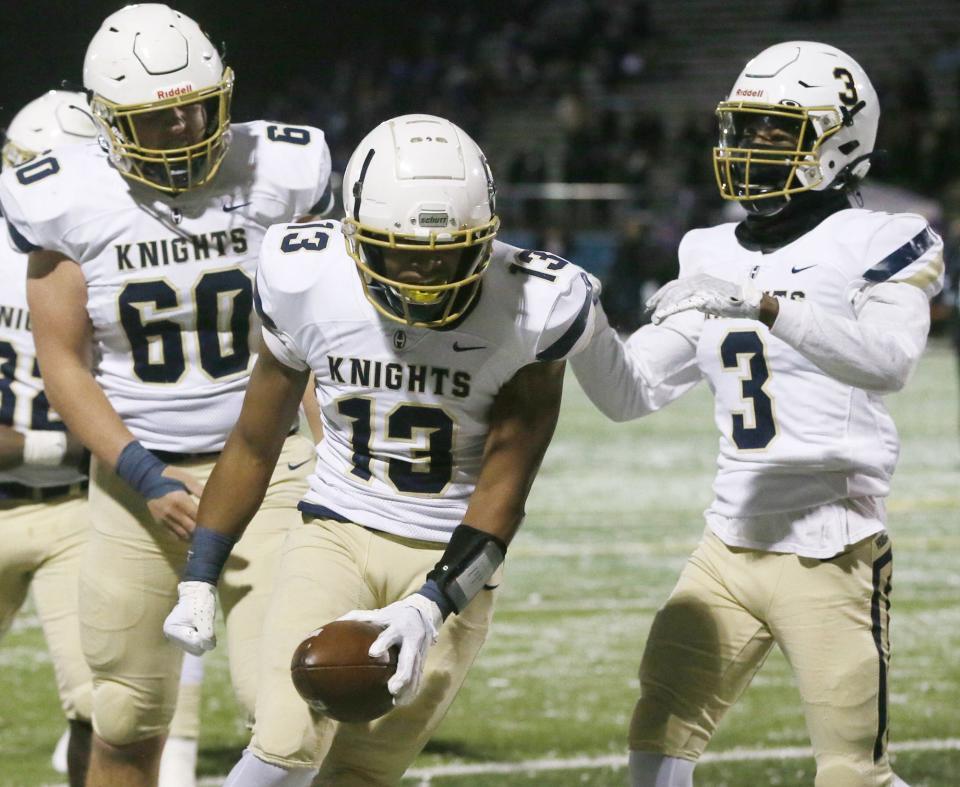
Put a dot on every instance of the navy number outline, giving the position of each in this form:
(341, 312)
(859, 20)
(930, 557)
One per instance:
(39, 407)
(849, 95)
(528, 256)
(293, 242)
(209, 293)
(291, 134)
(37, 169)
(760, 435)
(402, 423)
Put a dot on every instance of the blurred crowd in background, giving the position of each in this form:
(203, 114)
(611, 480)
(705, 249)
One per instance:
(593, 92)
(597, 116)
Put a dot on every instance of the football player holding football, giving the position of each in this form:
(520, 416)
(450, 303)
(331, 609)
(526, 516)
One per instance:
(800, 317)
(43, 500)
(438, 354)
(145, 248)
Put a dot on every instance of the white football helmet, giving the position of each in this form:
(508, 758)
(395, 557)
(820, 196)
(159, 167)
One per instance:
(802, 116)
(58, 117)
(418, 183)
(150, 58)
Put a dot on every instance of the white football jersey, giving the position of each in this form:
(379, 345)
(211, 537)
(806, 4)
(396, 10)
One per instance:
(406, 411)
(23, 405)
(792, 437)
(805, 459)
(170, 279)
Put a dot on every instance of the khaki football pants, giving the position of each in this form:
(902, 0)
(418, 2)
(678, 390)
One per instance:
(830, 619)
(41, 551)
(329, 568)
(128, 585)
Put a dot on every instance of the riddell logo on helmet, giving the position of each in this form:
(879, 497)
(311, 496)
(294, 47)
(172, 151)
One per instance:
(758, 93)
(182, 90)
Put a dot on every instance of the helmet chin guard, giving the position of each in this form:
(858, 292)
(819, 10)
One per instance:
(820, 108)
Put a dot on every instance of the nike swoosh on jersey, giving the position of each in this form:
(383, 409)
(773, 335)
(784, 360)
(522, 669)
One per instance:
(461, 349)
(795, 269)
(230, 208)
(296, 466)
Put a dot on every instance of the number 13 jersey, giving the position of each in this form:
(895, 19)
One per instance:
(406, 411)
(170, 279)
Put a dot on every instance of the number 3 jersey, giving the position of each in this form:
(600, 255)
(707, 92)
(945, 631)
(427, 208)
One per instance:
(170, 279)
(799, 408)
(23, 404)
(406, 410)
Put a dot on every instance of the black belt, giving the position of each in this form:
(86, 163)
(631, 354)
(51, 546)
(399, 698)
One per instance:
(11, 490)
(175, 457)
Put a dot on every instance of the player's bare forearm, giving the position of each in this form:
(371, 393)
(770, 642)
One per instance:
(311, 410)
(57, 296)
(524, 417)
(237, 485)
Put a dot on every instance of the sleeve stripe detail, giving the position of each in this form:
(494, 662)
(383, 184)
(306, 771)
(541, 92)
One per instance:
(908, 253)
(325, 204)
(928, 274)
(565, 343)
(258, 305)
(19, 241)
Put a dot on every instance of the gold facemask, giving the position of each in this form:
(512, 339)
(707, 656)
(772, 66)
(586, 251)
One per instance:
(753, 173)
(171, 170)
(14, 155)
(421, 306)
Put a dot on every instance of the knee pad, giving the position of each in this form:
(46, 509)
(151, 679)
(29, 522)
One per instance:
(121, 716)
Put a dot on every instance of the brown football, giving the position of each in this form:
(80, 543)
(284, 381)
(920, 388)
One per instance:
(335, 676)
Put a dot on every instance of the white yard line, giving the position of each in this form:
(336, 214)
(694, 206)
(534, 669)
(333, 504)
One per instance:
(425, 775)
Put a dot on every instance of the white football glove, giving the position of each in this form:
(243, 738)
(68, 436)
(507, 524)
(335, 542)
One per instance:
(412, 623)
(707, 294)
(190, 625)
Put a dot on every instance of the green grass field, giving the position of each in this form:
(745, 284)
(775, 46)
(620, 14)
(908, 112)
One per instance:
(614, 513)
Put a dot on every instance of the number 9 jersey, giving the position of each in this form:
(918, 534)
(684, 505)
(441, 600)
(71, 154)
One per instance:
(170, 279)
(406, 410)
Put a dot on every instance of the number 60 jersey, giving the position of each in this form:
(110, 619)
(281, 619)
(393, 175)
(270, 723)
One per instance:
(406, 410)
(170, 279)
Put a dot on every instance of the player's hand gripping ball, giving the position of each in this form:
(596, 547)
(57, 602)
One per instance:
(335, 675)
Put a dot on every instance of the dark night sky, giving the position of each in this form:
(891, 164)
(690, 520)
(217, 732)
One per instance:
(42, 42)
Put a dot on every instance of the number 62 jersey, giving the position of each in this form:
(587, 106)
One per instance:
(170, 279)
(406, 410)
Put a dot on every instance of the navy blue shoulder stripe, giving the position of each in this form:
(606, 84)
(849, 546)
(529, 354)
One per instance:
(565, 343)
(325, 204)
(258, 305)
(896, 261)
(19, 241)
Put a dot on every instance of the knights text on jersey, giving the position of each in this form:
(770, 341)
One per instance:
(23, 404)
(406, 411)
(792, 437)
(170, 279)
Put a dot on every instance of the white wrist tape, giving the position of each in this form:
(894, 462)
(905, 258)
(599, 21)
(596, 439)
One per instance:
(44, 448)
